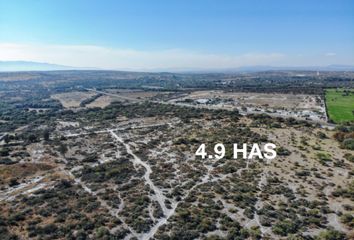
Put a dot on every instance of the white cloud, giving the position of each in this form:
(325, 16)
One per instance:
(114, 58)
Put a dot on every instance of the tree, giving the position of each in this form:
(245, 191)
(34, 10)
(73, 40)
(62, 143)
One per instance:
(6, 138)
(62, 149)
(13, 182)
(46, 135)
(101, 232)
(32, 138)
(285, 227)
(348, 143)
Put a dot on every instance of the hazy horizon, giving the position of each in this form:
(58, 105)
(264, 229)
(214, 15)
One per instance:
(184, 35)
(18, 66)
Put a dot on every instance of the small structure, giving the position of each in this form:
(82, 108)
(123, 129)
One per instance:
(202, 101)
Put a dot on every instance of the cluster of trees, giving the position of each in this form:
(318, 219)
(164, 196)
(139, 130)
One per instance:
(118, 171)
(345, 136)
(90, 100)
(267, 81)
(285, 227)
(345, 192)
(331, 234)
(44, 216)
(148, 109)
(275, 122)
(14, 116)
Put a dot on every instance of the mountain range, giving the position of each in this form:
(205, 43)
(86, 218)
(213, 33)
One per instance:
(13, 66)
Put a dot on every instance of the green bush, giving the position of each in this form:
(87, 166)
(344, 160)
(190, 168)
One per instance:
(283, 228)
(331, 235)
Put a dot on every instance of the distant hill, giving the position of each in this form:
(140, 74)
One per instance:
(297, 68)
(263, 68)
(14, 66)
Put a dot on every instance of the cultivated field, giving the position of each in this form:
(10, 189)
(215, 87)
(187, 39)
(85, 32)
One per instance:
(340, 105)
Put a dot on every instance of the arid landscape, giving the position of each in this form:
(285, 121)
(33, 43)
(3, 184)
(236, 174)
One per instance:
(300, 106)
(121, 164)
(176, 120)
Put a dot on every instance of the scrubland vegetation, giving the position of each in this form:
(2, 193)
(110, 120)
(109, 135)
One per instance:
(128, 170)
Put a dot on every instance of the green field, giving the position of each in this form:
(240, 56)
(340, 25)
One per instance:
(340, 105)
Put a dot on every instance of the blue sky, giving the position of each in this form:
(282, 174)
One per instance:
(178, 34)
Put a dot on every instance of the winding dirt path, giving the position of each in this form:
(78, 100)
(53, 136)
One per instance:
(160, 197)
